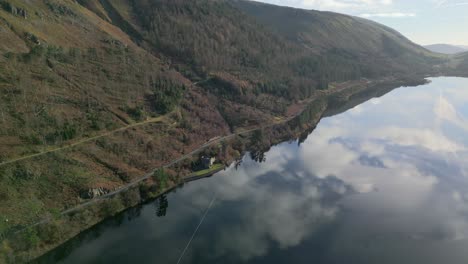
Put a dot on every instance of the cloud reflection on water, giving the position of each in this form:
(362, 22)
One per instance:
(390, 176)
(403, 164)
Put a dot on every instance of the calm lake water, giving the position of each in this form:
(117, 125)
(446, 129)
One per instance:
(384, 182)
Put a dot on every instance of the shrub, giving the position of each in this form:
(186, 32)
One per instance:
(136, 112)
(31, 139)
(60, 9)
(131, 197)
(111, 207)
(6, 252)
(50, 232)
(144, 191)
(66, 132)
(29, 238)
(21, 172)
(161, 177)
(166, 95)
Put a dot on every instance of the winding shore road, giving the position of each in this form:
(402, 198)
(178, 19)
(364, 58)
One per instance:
(340, 87)
(147, 175)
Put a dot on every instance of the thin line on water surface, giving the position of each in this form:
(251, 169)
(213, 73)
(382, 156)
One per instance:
(196, 229)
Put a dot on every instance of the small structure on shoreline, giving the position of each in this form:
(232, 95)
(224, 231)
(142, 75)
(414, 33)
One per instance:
(207, 162)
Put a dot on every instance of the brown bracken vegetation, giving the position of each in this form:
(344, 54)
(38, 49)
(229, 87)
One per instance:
(96, 94)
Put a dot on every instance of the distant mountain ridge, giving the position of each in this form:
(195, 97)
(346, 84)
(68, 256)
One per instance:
(446, 48)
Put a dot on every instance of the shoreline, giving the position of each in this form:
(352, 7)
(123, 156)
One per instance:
(344, 94)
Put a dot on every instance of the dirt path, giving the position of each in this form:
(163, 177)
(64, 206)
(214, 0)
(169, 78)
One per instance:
(149, 174)
(341, 87)
(144, 177)
(82, 141)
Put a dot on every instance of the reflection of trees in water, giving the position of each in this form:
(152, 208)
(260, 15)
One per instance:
(331, 188)
(258, 156)
(303, 136)
(92, 234)
(117, 220)
(134, 212)
(238, 163)
(259, 144)
(161, 206)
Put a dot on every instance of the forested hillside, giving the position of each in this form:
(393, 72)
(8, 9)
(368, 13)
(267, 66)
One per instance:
(213, 39)
(278, 50)
(96, 93)
(350, 46)
(461, 66)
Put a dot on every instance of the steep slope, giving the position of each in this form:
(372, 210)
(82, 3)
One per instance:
(268, 45)
(69, 69)
(373, 47)
(445, 48)
(213, 38)
(96, 93)
(70, 78)
(459, 65)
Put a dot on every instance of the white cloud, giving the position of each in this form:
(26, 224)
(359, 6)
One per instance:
(439, 3)
(277, 221)
(287, 216)
(391, 15)
(414, 137)
(338, 4)
(367, 8)
(322, 156)
(446, 3)
(445, 110)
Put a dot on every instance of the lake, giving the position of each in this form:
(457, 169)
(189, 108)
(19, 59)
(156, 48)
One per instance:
(384, 182)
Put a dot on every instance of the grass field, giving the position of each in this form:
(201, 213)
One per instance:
(213, 168)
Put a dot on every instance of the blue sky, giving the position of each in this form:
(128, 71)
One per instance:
(423, 21)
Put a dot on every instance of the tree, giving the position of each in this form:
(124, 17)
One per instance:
(161, 177)
(161, 206)
(5, 252)
(30, 238)
(166, 95)
(50, 232)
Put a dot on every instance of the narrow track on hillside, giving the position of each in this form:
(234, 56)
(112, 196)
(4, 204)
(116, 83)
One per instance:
(146, 176)
(83, 141)
(342, 86)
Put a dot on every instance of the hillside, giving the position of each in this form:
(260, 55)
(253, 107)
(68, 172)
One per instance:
(459, 66)
(96, 93)
(358, 43)
(266, 43)
(446, 48)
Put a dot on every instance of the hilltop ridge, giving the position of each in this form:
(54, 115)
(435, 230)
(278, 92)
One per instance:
(446, 48)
